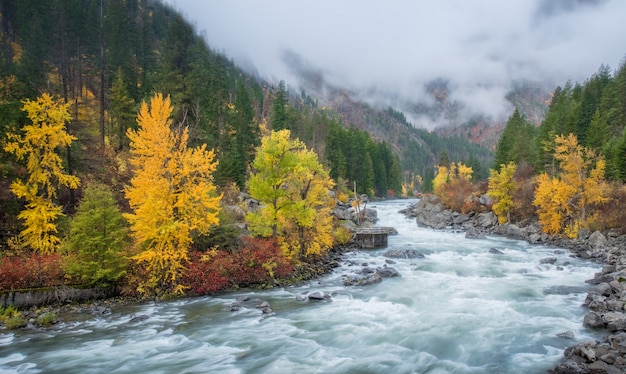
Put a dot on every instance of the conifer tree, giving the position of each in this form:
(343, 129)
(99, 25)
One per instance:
(171, 194)
(98, 238)
(38, 146)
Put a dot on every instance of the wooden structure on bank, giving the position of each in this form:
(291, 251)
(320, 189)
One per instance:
(373, 237)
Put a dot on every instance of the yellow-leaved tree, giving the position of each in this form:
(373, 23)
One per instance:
(293, 188)
(453, 184)
(171, 193)
(38, 146)
(501, 188)
(563, 201)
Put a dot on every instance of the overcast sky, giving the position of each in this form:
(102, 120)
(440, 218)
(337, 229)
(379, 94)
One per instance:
(388, 50)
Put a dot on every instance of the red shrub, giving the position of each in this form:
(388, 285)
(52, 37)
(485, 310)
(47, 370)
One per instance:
(258, 262)
(30, 270)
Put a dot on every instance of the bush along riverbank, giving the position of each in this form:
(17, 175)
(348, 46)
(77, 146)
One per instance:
(606, 300)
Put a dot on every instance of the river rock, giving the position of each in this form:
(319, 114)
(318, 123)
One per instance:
(232, 307)
(487, 220)
(387, 272)
(495, 251)
(370, 280)
(460, 219)
(265, 307)
(571, 367)
(615, 321)
(548, 260)
(474, 233)
(403, 253)
(514, 232)
(139, 318)
(593, 320)
(318, 296)
(597, 240)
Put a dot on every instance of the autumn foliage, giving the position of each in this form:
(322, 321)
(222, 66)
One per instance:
(502, 186)
(171, 194)
(259, 261)
(30, 270)
(453, 185)
(564, 200)
(292, 186)
(38, 147)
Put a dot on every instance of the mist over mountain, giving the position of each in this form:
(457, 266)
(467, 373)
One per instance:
(440, 63)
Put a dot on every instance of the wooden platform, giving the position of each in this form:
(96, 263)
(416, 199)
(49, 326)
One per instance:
(373, 237)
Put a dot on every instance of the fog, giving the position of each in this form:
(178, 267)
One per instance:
(388, 52)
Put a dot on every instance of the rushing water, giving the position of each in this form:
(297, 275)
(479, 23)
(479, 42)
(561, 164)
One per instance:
(459, 310)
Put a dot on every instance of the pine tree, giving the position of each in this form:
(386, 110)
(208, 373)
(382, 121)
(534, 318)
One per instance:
(98, 238)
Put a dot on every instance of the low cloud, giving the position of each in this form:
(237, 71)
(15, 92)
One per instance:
(388, 53)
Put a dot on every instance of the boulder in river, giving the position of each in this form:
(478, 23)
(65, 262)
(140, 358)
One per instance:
(387, 272)
(495, 251)
(474, 233)
(318, 296)
(403, 253)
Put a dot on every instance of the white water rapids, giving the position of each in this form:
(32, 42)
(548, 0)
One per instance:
(460, 309)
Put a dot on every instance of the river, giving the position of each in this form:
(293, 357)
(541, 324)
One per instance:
(461, 309)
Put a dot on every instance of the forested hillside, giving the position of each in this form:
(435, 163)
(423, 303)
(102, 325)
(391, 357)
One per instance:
(122, 130)
(570, 171)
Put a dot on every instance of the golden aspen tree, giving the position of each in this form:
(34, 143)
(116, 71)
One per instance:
(552, 199)
(563, 202)
(442, 177)
(172, 196)
(452, 184)
(501, 187)
(582, 169)
(293, 188)
(38, 147)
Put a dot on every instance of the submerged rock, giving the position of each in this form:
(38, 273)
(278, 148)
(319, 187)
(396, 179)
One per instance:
(265, 307)
(495, 251)
(139, 318)
(403, 253)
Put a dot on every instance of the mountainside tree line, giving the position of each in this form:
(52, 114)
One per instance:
(570, 171)
(122, 131)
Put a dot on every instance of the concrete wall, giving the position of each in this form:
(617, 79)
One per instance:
(63, 294)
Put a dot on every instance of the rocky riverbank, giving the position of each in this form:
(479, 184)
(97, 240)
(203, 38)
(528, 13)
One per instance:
(606, 300)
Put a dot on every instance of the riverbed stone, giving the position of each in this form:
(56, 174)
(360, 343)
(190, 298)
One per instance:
(139, 318)
(597, 240)
(615, 321)
(593, 320)
(318, 296)
(387, 272)
(403, 253)
(514, 232)
(474, 233)
(495, 251)
(487, 220)
(370, 280)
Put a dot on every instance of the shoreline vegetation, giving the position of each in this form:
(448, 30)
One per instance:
(42, 308)
(604, 298)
